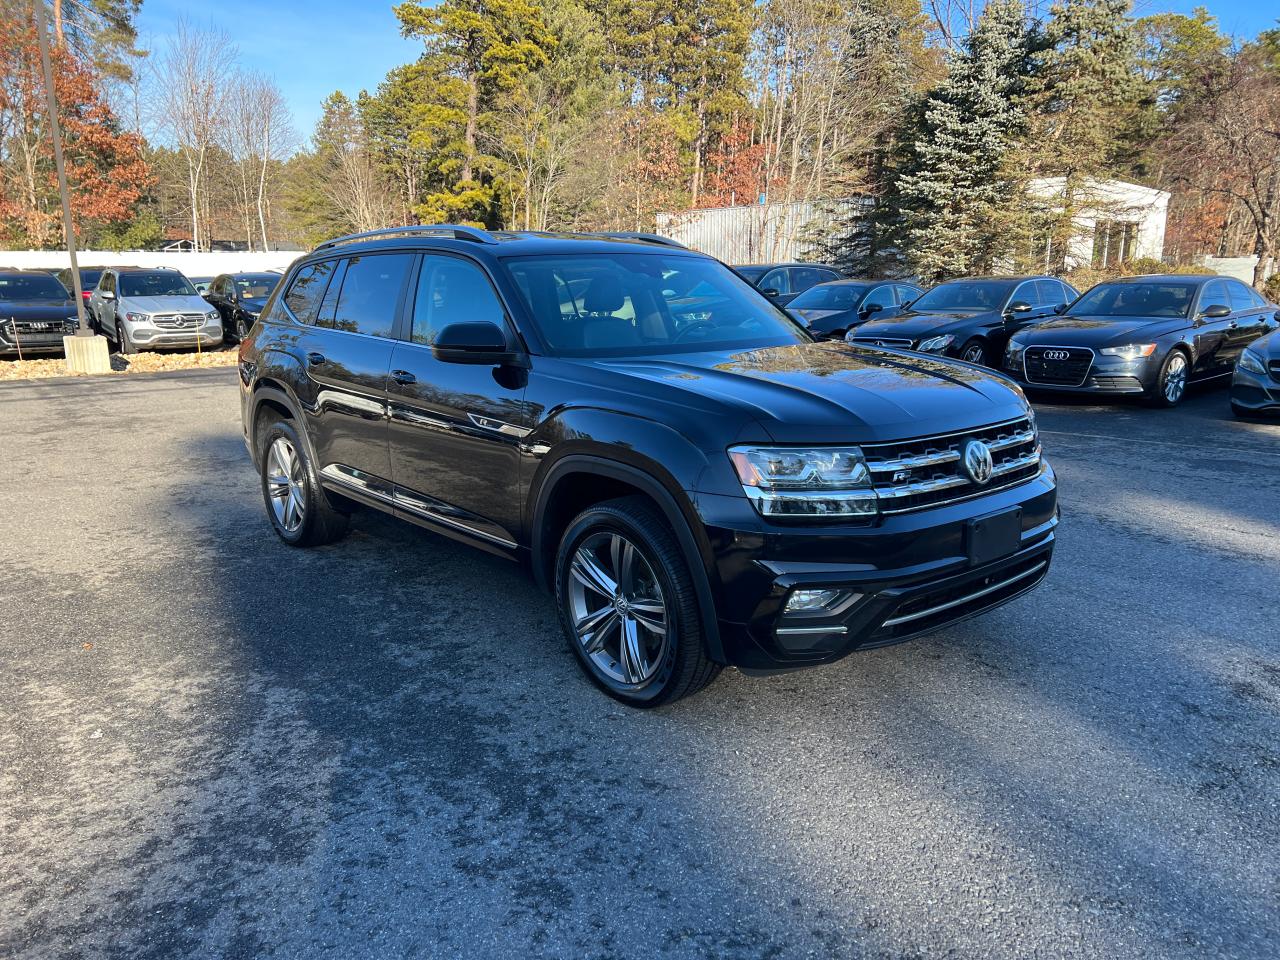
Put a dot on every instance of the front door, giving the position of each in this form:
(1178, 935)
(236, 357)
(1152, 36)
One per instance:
(456, 429)
(1212, 334)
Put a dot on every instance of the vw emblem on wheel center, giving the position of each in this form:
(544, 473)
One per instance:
(977, 461)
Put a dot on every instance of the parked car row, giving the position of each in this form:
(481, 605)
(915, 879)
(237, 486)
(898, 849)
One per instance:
(1149, 336)
(136, 308)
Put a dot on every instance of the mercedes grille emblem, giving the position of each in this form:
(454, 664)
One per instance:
(977, 462)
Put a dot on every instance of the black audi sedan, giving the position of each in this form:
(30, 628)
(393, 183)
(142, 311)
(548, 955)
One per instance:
(239, 298)
(971, 318)
(36, 312)
(1142, 336)
(831, 310)
(1255, 386)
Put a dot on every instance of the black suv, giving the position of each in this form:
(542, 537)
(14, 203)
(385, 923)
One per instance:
(696, 479)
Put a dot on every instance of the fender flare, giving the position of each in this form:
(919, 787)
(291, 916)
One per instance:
(273, 391)
(656, 491)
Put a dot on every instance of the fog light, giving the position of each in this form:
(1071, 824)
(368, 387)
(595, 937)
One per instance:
(804, 601)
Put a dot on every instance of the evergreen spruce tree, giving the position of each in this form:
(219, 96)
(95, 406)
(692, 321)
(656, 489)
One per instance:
(960, 194)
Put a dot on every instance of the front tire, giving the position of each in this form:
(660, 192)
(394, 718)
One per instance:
(1171, 382)
(975, 351)
(127, 346)
(628, 606)
(297, 505)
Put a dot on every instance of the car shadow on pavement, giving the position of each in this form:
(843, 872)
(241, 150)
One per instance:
(384, 747)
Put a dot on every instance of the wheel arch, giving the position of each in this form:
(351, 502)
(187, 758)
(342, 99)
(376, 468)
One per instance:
(558, 501)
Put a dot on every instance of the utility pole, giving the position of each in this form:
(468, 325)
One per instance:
(85, 352)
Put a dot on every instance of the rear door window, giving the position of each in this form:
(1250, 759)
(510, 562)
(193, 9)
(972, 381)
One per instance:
(372, 288)
(307, 289)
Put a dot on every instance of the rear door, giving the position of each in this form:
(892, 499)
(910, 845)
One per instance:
(346, 349)
(104, 307)
(456, 428)
(1248, 311)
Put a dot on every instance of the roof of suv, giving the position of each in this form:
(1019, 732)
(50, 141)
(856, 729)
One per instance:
(501, 243)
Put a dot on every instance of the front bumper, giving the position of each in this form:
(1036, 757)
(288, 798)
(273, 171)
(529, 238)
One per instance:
(149, 338)
(1255, 392)
(1112, 376)
(913, 572)
(30, 348)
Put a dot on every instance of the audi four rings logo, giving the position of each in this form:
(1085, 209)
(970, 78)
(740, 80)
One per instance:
(1057, 355)
(977, 461)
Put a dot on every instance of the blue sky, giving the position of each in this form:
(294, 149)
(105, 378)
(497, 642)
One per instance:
(313, 47)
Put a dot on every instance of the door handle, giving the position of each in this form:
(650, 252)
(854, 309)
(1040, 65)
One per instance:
(316, 359)
(403, 377)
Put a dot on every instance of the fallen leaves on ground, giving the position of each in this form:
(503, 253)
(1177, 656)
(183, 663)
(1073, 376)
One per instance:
(138, 363)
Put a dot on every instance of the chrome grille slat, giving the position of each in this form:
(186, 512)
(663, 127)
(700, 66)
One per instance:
(934, 473)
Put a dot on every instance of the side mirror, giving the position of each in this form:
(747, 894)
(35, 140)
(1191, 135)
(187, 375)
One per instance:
(480, 342)
(770, 291)
(1060, 308)
(106, 295)
(1216, 311)
(1019, 306)
(871, 308)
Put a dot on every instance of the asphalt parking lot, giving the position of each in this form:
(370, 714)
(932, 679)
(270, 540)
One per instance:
(213, 745)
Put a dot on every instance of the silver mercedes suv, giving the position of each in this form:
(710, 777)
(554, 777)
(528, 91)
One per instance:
(148, 307)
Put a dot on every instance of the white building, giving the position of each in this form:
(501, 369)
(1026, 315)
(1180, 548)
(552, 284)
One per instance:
(1117, 221)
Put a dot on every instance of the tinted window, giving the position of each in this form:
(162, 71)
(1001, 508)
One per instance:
(1028, 293)
(831, 296)
(370, 294)
(107, 282)
(635, 304)
(905, 293)
(306, 290)
(1215, 293)
(252, 286)
(1137, 300)
(1241, 296)
(31, 286)
(752, 273)
(802, 278)
(779, 280)
(88, 278)
(159, 284)
(452, 291)
(1051, 293)
(966, 295)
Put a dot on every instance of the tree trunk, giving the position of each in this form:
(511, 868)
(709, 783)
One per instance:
(262, 185)
(473, 110)
(59, 34)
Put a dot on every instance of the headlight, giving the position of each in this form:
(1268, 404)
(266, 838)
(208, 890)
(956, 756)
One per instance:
(1130, 351)
(936, 343)
(831, 482)
(211, 315)
(137, 317)
(1253, 363)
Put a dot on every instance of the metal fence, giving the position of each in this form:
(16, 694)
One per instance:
(761, 233)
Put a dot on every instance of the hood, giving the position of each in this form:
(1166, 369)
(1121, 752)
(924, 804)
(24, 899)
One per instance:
(254, 304)
(37, 309)
(828, 392)
(176, 304)
(917, 325)
(813, 315)
(1268, 346)
(1092, 331)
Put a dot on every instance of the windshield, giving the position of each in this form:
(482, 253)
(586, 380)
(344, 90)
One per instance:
(752, 273)
(830, 296)
(256, 286)
(965, 295)
(638, 304)
(1136, 300)
(31, 286)
(159, 284)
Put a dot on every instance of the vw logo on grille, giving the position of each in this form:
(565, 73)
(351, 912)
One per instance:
(977, 461)
(1057, 355)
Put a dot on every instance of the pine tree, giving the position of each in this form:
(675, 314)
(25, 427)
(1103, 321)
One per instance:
(1082, 102)
(959, 192)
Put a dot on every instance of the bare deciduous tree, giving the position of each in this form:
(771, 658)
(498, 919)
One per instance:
(259, 138)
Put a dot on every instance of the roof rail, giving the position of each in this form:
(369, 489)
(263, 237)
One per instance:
(458, 232)
(646, 237)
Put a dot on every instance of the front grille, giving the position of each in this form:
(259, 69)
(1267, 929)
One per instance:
(936, 608)
(1119, 384)
(35, 331)
(916, 474)
(178, 321)
(1061, 366)
(1274, 367)
(898, 343)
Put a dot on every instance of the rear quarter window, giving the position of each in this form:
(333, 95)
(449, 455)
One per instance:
(307, 288)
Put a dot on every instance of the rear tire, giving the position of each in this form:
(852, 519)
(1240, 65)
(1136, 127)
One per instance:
(628, 607)
(297, 505)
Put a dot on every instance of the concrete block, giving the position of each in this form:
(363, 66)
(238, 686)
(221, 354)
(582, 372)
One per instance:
(86, 354)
